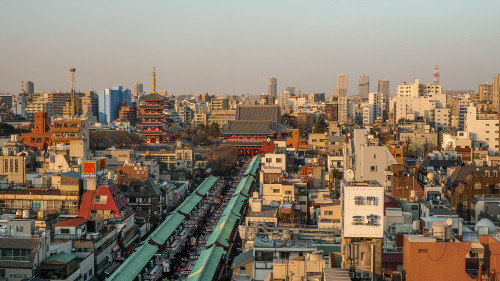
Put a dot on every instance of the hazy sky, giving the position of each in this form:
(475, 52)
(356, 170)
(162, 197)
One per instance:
(232, 46)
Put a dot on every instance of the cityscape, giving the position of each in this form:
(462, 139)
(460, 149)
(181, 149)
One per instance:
(215, 150)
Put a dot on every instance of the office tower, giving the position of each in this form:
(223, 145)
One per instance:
(291, 90)
(364, 86)
(383, 87)
(110, 102)
(29, 87)
(138, 89)
(342, 85)
(272, 87)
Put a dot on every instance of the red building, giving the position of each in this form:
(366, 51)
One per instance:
(40, 137)
(253, 126)
(107, 202)
(152, 122)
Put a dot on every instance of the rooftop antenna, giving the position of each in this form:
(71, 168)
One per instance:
(436, 75)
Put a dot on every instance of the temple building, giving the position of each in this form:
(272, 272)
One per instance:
(151, 120)
(254, 128)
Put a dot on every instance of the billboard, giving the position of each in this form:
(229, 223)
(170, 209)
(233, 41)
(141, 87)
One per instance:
(93, 168)
(363, 208)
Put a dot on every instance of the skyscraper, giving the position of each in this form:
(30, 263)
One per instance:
(110, 101)
(272, 85)
(29, 87)
(138, 88)
(291, 90)
(364, 86)
(383, 87)
(342, 85)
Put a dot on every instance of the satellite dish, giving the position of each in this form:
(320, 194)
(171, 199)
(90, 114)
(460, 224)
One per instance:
(274, 204)
(449, 221)
(349, 175)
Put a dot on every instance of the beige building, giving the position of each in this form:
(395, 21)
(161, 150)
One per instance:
(279, 192)
(222, 117)
(298, 268)
(219, 104)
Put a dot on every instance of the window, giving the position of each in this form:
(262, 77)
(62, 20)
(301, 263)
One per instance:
(276, 190)
(65, 230)
(243, 269)
(373, 168)
(278, 160)
(2, 273)
(19, 229)
(17, 166)
(17, 275)
(11, 165)
(269, 160)
(422, 251)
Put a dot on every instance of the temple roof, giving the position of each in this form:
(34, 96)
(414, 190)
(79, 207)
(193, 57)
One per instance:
(258, 112)
(249, 127)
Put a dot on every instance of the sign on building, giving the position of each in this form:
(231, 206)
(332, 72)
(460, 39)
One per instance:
(363, 208)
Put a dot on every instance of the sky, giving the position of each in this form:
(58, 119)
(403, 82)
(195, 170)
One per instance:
(234, 46)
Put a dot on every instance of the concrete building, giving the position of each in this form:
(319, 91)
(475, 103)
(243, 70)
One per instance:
(272, 87)
(284, 101)
(138, 89)
(29, 87)
(23, 246)
(363, 228)
(342, 85)
(368, 159)
(364, 86)
(442, 119)
(383, 87)
(110, 101)
(484, 129)
(219, 104)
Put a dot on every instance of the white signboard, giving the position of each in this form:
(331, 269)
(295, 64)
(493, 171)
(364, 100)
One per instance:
(363, 207)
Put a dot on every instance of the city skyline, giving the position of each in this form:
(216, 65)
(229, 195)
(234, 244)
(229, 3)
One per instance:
(195, 50)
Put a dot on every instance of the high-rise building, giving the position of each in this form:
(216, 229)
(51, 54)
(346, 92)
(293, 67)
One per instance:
(364, 86)
(110, 102)
(383, 87)
(342, 85)
(496, 100)
(291, 90)
(138, 89)
(29, 87)
(272, 86)
(284, 101)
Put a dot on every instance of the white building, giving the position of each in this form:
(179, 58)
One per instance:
(442, 119)
(369, 160)
(284, 101)
(415, 99)
(342, 109)
(274, 160)
(484, 130)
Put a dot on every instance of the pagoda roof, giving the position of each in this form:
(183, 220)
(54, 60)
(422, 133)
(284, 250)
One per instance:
(153, 97)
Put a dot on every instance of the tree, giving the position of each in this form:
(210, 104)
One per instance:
(222, 159)
(7, 129)
(289, 120)
(320, 126)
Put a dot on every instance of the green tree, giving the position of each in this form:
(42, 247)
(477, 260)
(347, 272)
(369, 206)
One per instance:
(320, 126)
(7, 129)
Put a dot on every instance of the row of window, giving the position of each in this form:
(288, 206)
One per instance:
(14, 165)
